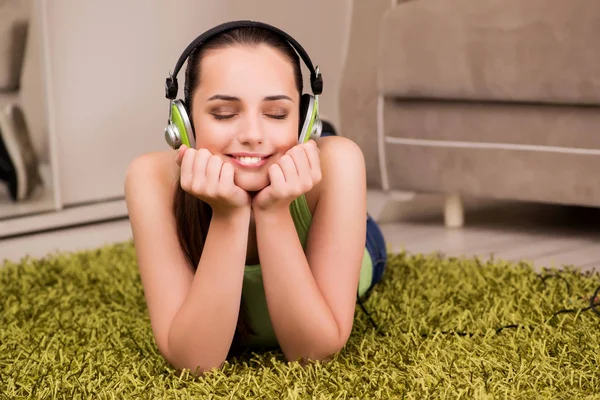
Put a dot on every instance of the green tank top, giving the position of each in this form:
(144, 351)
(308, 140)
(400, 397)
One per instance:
(254, 292)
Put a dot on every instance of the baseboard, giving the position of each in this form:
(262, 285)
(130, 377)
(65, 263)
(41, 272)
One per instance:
(72, 216)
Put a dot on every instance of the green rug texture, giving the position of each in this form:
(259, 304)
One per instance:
(75, 326)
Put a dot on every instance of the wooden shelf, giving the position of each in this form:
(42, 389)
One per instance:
(42, 199)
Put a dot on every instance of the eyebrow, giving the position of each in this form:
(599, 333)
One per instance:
(278, 97)
(223, 97)
(233, 98)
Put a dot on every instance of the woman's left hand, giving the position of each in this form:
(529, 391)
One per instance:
(294, 174)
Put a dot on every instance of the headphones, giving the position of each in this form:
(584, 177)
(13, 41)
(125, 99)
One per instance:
(179, 127)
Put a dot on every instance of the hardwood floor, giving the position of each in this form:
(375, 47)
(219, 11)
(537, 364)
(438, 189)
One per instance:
(547, 235)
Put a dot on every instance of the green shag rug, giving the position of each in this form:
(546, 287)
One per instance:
(75, 326)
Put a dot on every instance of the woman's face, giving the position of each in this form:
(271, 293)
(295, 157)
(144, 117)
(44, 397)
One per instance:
(245, 110)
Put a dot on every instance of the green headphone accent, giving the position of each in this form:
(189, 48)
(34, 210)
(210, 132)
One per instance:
(179, 128)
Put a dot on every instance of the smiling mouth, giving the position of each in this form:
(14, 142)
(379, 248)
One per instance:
(249, 161)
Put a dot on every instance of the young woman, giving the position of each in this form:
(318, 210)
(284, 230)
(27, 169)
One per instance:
(250, 238)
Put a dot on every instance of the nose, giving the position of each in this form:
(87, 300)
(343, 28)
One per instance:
(251, 133)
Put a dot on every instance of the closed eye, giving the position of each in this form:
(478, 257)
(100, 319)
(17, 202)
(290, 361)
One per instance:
(221, 117)
(277, 116)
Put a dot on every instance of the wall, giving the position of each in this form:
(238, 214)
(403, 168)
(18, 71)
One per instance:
(108, 62)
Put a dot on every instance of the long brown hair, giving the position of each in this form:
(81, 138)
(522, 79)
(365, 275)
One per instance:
(192, 215)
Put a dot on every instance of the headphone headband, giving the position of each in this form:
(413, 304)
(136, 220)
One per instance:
(171, 86)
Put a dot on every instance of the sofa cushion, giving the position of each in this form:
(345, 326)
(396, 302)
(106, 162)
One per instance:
(488, 125)
(545, 153)
(497, 50)
(488, 173)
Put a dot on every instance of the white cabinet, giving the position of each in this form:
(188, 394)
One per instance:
(107, 62)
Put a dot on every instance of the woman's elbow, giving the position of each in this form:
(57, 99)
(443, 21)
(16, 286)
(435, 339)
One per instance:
(323, 353)
(186, 360)
(198, 371)
(333, 349)
(195, 365)
(330, 347)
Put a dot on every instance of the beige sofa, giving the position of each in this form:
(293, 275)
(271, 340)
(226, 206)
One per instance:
(498, 98)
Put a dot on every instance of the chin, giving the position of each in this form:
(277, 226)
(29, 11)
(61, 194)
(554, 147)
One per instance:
(251, 183)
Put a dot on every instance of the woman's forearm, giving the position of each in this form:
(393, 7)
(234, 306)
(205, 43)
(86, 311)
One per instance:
(202, 331)
(303, 322)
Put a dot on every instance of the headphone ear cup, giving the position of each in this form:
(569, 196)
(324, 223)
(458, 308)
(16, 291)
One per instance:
(179, 130)
(306, 117)
(304, 103)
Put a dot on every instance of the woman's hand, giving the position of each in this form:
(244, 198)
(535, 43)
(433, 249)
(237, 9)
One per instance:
(294, 174)
(208, 178)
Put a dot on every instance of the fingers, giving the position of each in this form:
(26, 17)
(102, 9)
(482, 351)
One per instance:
(210, 179)
(285, 178)
(226, 184)
(300, 159)
(226, 174)
(198, 169)
(294, 174)
(201, 172)
(277, 179)
(288, 167)
(308, 151)
(306, 161)
(314, 160)
(187, 169)
(213, 172)
(179, 154)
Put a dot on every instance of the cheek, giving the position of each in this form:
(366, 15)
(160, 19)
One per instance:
(209, 134)
(285, 139)
(282, 146)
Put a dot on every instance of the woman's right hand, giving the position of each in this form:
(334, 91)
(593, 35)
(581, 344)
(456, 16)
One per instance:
(208, 178)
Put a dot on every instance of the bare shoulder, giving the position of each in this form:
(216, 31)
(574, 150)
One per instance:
(342, 168)
(336, 149)
(151, 174)
(342, 165)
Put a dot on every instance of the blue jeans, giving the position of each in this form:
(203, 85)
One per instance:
(375, 243)
(377, 249)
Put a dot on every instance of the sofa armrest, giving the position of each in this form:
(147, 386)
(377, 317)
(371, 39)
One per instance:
(358, 84)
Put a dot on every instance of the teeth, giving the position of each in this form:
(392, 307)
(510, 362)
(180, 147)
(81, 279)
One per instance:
(249, 160)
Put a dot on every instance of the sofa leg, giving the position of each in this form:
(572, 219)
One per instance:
(453, 211)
